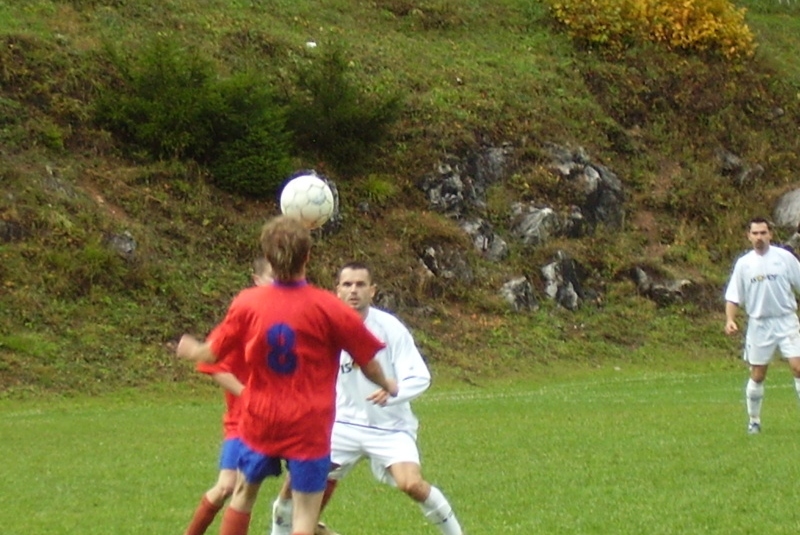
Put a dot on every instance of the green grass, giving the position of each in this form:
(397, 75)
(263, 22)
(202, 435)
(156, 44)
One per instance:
(617, 449)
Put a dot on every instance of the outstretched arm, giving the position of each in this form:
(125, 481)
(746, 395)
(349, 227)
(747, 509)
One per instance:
(190, 348)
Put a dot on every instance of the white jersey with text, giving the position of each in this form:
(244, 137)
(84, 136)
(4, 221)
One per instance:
(402, 361)
(763, 284)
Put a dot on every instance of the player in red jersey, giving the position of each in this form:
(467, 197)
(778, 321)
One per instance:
(292, 333)
(231, 374)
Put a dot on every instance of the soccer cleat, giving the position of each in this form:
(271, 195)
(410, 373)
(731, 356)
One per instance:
(753, 428)
(280, 525)
(322, 529)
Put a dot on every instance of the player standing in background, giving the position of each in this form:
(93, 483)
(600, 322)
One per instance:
(231, 374)
(293, 334)
(765, 282)
(371, 424)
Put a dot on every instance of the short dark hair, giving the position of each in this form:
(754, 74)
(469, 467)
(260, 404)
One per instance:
(354, 264)
(759, 220)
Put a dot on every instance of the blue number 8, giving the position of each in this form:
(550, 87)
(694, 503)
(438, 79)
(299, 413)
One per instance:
(281, 357)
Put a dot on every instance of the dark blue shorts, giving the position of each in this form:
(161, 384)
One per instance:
(229, 454)
(307, 476)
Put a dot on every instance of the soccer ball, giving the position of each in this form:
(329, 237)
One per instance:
(309, 199)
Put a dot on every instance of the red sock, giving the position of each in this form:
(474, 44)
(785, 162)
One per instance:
(234, 522)
(203, 517)
(330, 486)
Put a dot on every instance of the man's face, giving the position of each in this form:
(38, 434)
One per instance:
(356, 288)
(759, 236)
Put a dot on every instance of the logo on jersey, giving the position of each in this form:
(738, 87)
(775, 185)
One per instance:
(761, 278)
(347, 367)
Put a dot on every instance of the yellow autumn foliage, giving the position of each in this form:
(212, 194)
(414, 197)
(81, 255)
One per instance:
(692, 25)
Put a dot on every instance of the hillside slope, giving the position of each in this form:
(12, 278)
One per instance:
(77, 315)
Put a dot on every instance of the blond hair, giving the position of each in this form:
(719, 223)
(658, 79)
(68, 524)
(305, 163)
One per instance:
(286, 243)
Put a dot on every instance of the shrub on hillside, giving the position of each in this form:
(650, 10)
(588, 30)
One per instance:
(334, 118)
(693, 25)
(252, 156)
(169, 103)
(161, 103)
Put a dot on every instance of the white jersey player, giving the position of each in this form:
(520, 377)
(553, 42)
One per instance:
(764, 282)
(383, 430)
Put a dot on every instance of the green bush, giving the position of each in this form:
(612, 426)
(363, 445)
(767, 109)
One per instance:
(169, 103)
(254, 165)
(334, 118)
(252, 157)
(163, 102)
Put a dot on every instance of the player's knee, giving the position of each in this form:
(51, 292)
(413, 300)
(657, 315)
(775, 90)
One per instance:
(225, 490)
(416, 488)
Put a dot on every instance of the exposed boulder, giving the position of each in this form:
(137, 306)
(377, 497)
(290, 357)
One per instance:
(458, 185)
(447, 262)
(518, 293)
(533, 224)
(489, 244)
(564, 281)
(662, 290)
(741, 172)
(600, 190)
(123, 244)
(786, 214)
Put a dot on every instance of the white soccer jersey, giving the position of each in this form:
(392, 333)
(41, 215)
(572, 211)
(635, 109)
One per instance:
(401, 361)
(763, 284)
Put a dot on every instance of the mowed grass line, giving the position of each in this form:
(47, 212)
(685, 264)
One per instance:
(626, 452)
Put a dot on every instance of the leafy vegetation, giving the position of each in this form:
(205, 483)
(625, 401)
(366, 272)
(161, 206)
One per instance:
(235, 94)
(717, 26)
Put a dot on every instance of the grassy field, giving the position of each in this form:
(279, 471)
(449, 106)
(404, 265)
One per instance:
(614, 450)
(620, 418)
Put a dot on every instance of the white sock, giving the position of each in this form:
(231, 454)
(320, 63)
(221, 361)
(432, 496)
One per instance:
(281, 517)
(754, 394)
(797, 386)
(437, 510)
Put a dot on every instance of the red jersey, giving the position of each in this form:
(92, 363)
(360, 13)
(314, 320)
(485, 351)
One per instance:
(292, 335)
(232, 363)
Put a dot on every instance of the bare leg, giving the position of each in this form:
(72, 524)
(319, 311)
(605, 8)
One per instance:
(211, 503)
(224, 487)
(306, 511)
(433, 503)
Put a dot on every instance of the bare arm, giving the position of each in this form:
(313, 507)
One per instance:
(190, 348)
(731, 309)
(373, 371)
(229, 382)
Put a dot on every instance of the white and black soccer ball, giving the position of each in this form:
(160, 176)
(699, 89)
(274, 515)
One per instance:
(308, 198)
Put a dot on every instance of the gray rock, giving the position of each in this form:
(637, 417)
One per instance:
(518, 293)
(534, 225)
(489, 244)
(786, 213)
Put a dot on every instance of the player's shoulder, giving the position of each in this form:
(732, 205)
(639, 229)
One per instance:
(386, 321)
(252, 292)
(381, 316)
(781, 251)
(747, 255)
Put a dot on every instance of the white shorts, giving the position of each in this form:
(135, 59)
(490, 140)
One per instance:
(766, 335)
(351, 443)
